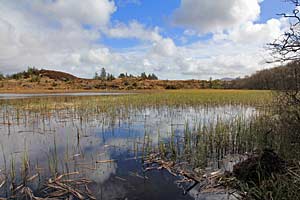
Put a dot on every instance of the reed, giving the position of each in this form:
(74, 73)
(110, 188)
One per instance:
(202, 141)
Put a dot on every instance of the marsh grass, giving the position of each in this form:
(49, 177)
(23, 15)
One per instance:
(208, 145)
(202, 142)
(276, 187)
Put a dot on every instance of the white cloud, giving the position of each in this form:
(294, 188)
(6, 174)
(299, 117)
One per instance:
(53, 34)
(213, 16)
(164, 47)
(254, 33)
(160, 46)
(89, 12)
(33, 33)
(133, 30)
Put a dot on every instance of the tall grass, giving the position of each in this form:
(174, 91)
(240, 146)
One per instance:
(202, 142)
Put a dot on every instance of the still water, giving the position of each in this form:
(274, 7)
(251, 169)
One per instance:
(106, 149)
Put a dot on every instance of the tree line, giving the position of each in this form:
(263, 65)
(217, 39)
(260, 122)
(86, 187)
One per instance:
(285, 77)
(21, 75)
(109, 77)
(103, 75)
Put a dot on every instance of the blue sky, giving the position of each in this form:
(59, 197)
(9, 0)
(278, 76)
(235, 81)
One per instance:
(176, 39)
(147, 12)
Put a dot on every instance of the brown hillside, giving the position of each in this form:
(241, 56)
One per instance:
(57, 75)
(53, 81)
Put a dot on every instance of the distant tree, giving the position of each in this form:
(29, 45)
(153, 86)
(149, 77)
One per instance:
(32, 71)
(2, 76)
(125, 75)
(122, 75)
(103, 74)
(152, 77)
(110, 77)
(144, 76)
(210, 83)
(96, 76)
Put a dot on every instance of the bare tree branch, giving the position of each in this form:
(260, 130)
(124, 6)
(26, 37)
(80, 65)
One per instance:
(287, 47)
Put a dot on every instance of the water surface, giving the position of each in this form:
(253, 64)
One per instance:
(65, 140)
(18, 96)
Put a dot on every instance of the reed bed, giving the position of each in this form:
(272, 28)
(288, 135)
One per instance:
(203, 141)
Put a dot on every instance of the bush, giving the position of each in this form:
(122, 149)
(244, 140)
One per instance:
(31, 71)
(1, 76)
(276, 187)
(35, 78)
(171, 87)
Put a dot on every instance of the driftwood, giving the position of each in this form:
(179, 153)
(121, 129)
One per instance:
(105, 161)
(208, 181)
(59, 187)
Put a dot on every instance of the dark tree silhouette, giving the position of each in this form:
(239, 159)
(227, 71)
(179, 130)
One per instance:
(287, 47)
(103, 74)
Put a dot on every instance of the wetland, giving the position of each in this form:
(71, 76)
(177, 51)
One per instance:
(107, 139)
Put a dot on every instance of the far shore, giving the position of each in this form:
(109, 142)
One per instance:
(60, 91)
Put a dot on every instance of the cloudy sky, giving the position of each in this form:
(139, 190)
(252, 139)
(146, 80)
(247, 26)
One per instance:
(175, 39)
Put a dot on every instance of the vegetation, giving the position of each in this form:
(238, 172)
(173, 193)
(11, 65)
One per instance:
(202, 142)
(104, 76)
(285, 81)
(2, 76)
(82, 113)
(25, 74)
(280, 78)
(284, 77)
(143, 76)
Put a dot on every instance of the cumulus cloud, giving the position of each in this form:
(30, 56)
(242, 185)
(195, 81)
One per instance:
(164, 47)
(160, 46)
(254, 33)
(66, 35)
(58, 39)
(89, 12)
(49, 33)
(213, 16)
(133, 30)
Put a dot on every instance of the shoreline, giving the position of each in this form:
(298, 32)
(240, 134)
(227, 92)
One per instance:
(61, 91)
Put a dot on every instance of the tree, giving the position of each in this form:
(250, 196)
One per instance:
(210, 83)
(32, 71)
(152, 77)
(110, 77)
(103, 74)
(96, 76)
(287, 47)
(122, 75)
(144, 76)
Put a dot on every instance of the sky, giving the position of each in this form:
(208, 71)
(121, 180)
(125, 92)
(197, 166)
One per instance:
(175, 39)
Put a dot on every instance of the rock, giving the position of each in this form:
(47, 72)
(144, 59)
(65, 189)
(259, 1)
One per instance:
(261, 165)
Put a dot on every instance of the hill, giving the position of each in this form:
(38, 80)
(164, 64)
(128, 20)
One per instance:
(34, 80)
(57, 75)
